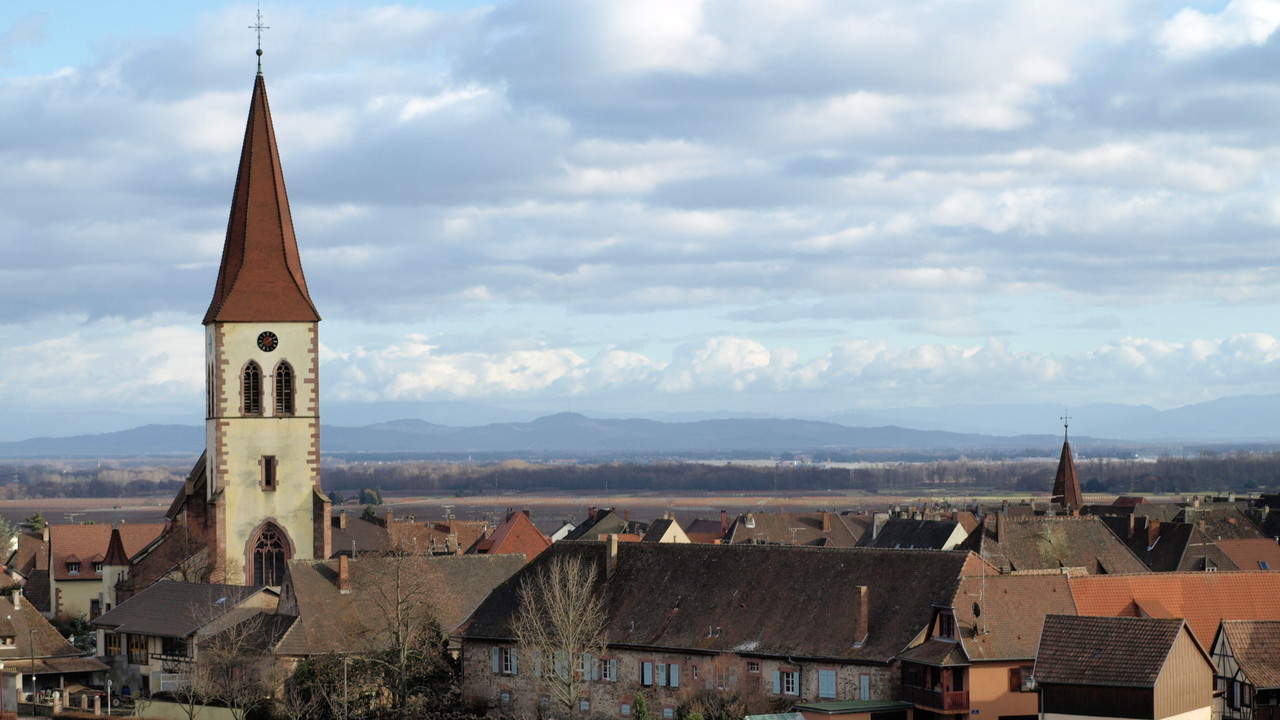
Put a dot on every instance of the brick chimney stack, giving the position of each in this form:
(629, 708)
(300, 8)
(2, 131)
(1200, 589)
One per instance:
(611, 556)
(861, 612)
(344, 575)
(342, 519)
(724, 522)
(826, 521)
(1153, 531)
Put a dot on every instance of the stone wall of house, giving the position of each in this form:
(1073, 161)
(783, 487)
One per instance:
(751, 676)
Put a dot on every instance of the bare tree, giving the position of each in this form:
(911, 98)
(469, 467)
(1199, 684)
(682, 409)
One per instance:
(559, 627)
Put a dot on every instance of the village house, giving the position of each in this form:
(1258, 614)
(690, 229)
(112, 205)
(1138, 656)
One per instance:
(77, 554)
(980, 647)
(1051, 543)
(818, 529)
(684, 618)
(517, 534)
(34, 649)
(1247, 655)
(1122, 667)
(1169, 546)
(151, 640)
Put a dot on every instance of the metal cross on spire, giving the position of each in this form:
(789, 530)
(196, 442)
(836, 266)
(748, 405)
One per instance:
(258, 26)
(1066, 420)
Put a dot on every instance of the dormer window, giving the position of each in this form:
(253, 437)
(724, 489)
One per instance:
(73, 567)
(97, 568)
(946, 625)
(8, 641)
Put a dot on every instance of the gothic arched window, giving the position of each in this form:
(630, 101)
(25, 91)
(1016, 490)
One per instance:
(270, 551)
(251, 390)
(284, 389)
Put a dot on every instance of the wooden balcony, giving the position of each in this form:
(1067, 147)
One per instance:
(951, 701)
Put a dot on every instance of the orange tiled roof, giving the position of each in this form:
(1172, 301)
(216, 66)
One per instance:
(1251, 554)
(73, 542)
(1203, 598)
(516, 534)
(260, 278)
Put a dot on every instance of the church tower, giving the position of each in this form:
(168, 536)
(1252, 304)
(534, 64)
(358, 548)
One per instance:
(262, 502)
(1066, 486)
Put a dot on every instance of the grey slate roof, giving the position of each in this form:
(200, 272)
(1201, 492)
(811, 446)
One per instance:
(908, 533)
(174, 609)
(752, 599)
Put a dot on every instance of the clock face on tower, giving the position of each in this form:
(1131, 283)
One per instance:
(267, 341)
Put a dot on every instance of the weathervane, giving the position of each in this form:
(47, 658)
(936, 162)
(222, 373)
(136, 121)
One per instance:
(259, 27)
(1066, 419)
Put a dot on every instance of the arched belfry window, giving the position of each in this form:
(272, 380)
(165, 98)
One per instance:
(251, 390)
(284, 389)
(270, 552)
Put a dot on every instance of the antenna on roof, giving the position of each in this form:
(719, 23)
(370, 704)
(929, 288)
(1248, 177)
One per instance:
(259, 27)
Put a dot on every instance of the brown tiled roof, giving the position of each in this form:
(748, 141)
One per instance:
(260, 278)
(175, 609)
(44, 640)
(1221, 521)
(437, 536)
(1012, 609)
(361, 535)
(1108, 651)
(744, 598)
(1049, 543)
(791, 529)
(1252, 554)
(36, 589)
(452, 585)
(1203, 598)
(32, 553)
(1255, 644)
(86, 541)
(516, 534)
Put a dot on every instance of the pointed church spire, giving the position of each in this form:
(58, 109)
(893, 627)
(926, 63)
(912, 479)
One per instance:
(260, 279)
(1066, 487)
(115, 549)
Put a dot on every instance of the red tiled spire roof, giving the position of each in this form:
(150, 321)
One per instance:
(261, 275)
(1066, 487)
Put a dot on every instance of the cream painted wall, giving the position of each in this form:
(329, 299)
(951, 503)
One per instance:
(237, 443)
(989, 690)
(75, 595)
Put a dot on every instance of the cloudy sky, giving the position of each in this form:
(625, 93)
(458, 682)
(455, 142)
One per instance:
(787, 206)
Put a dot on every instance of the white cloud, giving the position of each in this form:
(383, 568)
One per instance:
(1191, 32)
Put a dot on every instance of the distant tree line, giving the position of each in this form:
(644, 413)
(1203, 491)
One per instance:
(1240, 471)
(19, 482)
(1236, 471)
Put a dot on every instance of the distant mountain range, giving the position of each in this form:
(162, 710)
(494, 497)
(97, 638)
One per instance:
(1253, 420)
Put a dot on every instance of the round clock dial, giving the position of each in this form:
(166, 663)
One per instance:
(267, 341)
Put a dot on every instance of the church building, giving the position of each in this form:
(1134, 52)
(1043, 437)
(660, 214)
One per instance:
(253, 500)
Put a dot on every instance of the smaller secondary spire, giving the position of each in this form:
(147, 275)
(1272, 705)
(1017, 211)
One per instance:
(259, 27)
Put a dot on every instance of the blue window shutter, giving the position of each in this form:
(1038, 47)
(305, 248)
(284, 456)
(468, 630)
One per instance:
(646, 673)
(496, 667)
(864, 686)
(827, 683)
(514, 658)
(662, 674)
(537, 663)
(613, 670)
(777, 683)
(675, 675)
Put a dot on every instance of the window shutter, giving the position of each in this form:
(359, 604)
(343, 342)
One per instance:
(675, 675)
(864, 687)
(646, 673)
(613, 670)
(537, 663)
(662, 674)
(1015, 679)
(827, 683)
(514, 658)
(496, 667)
(777, 683)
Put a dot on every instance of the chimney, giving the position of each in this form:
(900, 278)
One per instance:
(1131, 516)
(342, 519)
(1000, 520)
(591, 514)
(17, 598)
(826, 521)
(344, 575)
(1153, 531)
(611, 557)
(626, 516)
(724, 522)
(390, 517)
(861, 610)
